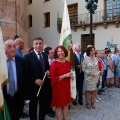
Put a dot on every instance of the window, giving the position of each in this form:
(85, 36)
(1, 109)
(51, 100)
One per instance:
(47, 19)
(30, 21)
(29, 2)
(112, 9)
(73, 12)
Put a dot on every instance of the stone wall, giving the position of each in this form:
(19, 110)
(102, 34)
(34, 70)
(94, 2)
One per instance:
(13, 14)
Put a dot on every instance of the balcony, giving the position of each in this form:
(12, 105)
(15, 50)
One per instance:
(99, 18)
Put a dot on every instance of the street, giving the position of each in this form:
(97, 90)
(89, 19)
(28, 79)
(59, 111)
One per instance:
(107, 109)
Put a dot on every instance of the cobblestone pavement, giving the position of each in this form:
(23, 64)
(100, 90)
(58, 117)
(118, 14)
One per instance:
(107, 109)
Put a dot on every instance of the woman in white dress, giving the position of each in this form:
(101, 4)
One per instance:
(91, 76)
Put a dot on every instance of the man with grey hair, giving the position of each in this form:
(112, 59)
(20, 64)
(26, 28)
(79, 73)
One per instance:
(19, 46)
(78, 57)
(13, 90)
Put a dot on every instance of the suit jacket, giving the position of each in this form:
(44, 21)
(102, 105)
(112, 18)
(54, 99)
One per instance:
(33, 71)
(20, 76)
(77, 70)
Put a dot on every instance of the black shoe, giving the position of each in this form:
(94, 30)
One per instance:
(111, 84)
(24, 115)
(52, 115)
(108, 86)
(81, 103)
(74, 103)
(69, 107)
(99, 93)
(102, 90)
(51, 111)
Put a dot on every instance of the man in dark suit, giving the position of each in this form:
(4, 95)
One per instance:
(13, 91)
(79, 73)
(36, 65)
(50, 52)
(19, 47)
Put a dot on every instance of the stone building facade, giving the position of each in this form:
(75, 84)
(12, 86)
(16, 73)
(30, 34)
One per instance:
(13, 19)
(47, 18)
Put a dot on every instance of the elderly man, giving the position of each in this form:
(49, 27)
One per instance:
(19, 46)
(13, 91)
(78, 57)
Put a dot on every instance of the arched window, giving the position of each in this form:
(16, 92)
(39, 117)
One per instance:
(30, 21)
(29, 2)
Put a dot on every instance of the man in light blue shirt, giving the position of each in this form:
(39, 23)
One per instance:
(19, 46)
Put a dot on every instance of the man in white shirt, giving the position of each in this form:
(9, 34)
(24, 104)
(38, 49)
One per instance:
(13, 91)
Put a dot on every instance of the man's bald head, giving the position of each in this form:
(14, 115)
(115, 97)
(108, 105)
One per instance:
(19, 43)
(10, 48)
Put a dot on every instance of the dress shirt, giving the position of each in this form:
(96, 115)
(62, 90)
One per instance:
(15, 73)
(50, 61)
(19, 52)
(38, 54)
(78, 56)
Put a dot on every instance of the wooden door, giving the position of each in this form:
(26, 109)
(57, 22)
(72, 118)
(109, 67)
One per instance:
(85, 40)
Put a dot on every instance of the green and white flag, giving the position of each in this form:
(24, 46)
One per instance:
(4, 114)
(66, 41)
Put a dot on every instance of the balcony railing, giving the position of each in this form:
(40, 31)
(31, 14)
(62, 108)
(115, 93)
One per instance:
(99, 17)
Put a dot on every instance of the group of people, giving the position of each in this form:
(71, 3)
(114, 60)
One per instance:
(47, 70)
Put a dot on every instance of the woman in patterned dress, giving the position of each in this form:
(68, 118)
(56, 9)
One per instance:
(91, 72)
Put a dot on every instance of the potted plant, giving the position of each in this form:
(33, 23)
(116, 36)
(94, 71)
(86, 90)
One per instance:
(80, 21)
(104, 18)
(59, 22)
(83, 22)
(73, 21)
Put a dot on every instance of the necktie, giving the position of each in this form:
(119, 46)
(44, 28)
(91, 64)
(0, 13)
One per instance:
(42, 63)
(78, 56)
(11, 79)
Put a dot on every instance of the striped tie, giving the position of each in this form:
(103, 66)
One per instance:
(42, 63)
(11, 79)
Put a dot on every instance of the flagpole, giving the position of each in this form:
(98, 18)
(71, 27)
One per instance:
(41, 86)
(4, 114)
(66, 41)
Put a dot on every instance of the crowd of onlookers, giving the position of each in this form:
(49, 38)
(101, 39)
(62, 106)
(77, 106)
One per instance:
(43, 77)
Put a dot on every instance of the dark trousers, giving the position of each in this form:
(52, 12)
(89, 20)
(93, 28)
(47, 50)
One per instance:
(13, 104)
(103, 78)
(42, 102)
(79, 84)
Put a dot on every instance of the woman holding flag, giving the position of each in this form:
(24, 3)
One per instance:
(60, 82)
